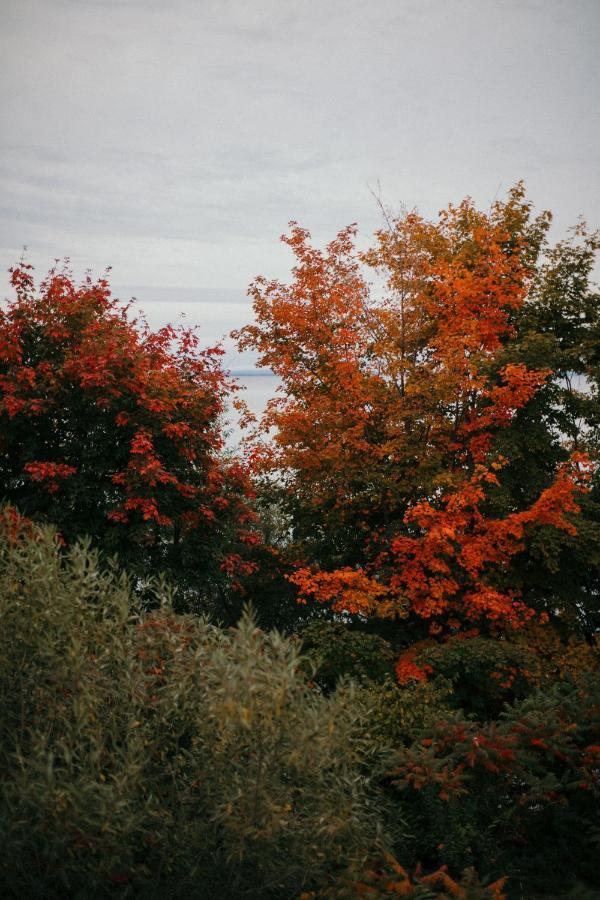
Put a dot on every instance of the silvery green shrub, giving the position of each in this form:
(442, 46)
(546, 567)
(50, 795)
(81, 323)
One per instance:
(152, 754)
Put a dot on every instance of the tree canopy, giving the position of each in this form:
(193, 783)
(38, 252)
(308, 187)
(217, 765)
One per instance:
(111, 429)
(434, 439)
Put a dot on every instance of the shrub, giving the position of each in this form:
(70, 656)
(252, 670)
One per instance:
(336, 650)
(520, 796)
(391, 879)
(488, 672)
(154, 749)
(398, 714)
(485, 673)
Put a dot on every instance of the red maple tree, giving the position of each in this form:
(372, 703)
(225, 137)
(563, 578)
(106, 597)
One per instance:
(112, 429)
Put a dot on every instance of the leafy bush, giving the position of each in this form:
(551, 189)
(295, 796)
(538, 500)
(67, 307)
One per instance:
(147, 749)
(391, 879)
(485, 673)
(337, 650)
(520, 796)
(399, 714)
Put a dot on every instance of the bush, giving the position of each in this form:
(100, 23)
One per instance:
(519, 797)
(391, 879)
(485, 673)
(336, 650)
(397, 715)
(154, 749)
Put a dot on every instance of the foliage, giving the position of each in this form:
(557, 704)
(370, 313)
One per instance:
(399, 714)
(558, 327)
(273, 596)
(392, 879)
(485, 673)
(419, 508)
(154, 752)
(519, 796)
(113, 430)
(389, 436)
(488, 672)
(336, 651)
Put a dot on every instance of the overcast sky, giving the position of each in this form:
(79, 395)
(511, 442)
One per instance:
(175, 140)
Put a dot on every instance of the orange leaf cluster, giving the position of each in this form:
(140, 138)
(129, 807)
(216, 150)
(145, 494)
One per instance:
(347, 590)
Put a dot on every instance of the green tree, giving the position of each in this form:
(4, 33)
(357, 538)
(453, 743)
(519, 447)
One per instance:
(558, 328)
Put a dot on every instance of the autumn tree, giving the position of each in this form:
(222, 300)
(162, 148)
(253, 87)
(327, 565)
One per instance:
(388, 436)
(113, 430)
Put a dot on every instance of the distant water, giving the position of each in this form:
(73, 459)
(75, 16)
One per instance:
(256, 391)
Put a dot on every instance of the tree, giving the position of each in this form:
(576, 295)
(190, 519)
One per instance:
(558, 326)
(388, 439)
(114, 430)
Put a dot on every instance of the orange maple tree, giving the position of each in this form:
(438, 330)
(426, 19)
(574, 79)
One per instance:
(384, 437)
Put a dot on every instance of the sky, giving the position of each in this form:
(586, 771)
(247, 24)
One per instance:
(175, 140)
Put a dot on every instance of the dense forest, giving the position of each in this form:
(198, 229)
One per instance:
(357, 656)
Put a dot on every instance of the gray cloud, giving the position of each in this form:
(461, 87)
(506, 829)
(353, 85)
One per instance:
(175, 140)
